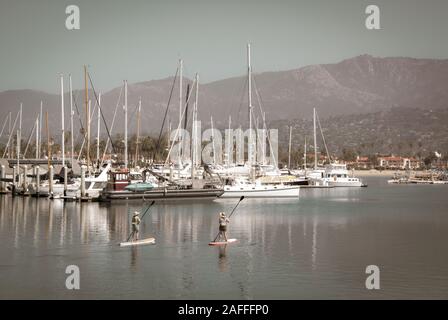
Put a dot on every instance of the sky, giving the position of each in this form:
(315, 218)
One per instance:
(141, 40)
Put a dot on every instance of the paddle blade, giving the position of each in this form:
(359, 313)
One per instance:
(242, 197)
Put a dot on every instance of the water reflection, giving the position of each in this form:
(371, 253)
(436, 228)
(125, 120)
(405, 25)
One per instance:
(222, 258)
(316, 247)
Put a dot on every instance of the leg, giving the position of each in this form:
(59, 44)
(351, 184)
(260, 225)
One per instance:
(225, 236)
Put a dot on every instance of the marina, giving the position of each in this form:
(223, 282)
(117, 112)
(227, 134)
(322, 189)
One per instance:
(224, 151)
(317, 247)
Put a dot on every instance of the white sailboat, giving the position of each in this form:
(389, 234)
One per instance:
(251, 187)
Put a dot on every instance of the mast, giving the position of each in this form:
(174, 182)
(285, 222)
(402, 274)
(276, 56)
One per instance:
(304, 156)
(19, 137)
(41, 120)
(196, 118)
(180, 106)
(98, 126)
(126, 124)
(315, 139)
(213, 141)
(193, 131)
(138, 129)
(249, 76)
(87, 117)
(289, 149)
(71, 120)
(9, 135)
(89, 107)
(62, 121)
(37, 137)
(48, 140)
(229, 156)
(186, 106)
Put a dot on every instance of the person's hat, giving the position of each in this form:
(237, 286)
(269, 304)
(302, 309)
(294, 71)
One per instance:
(222, 214)
(136, 213)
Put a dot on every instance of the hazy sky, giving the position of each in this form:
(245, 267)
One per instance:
(142, 39)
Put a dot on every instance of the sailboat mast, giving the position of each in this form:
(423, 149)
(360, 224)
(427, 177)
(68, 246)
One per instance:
(229, 156)
(249, 76)
(48, 140)
(37, 137)
(289, 148)
(19, 137)
(304, 156)
(195, 118)
(180, 106)
(98, 126)
(9, 135)
(87, 117)
(62, 121)
(71, 119)
(138, 129)
(315, 138)
(126, 124)
(41, 120)
(213, 141)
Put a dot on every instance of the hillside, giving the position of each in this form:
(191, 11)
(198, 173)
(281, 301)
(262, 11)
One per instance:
(404, 131)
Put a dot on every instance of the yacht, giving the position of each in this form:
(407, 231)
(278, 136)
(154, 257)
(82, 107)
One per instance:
(235, 188)
(337, 175)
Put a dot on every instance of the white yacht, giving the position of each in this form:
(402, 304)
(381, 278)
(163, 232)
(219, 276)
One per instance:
(238, 187)
(337, 175)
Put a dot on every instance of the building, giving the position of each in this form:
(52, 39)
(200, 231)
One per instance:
(399, 163)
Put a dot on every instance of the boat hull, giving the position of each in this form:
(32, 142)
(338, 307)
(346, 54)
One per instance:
(291, 192)
(163, 194)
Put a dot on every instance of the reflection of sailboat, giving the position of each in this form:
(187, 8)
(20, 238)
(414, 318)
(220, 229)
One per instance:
(314, 245)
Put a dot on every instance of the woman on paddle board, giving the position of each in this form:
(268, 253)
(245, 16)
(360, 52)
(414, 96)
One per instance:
(135, 225)
(223, 221)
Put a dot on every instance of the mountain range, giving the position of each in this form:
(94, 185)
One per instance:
(362, 85)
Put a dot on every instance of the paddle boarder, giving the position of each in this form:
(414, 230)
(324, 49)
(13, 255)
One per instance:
(223, 221)
(135, 225)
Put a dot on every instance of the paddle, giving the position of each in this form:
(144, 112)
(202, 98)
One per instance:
(141, 219)
(241, 199)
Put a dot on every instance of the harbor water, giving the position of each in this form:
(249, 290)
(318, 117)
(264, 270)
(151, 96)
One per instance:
(317, 247)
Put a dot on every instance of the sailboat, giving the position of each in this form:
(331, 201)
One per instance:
(251, 187)
(333, 174)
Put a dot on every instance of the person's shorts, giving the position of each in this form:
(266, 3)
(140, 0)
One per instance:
(223, 228)
(135, 228)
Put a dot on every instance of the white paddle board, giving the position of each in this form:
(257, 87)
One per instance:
(138, 242)
(221, 243)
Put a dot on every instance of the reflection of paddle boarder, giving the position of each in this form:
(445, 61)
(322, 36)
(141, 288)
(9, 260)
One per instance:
(222, 258)
(135, 225)
(223, 221)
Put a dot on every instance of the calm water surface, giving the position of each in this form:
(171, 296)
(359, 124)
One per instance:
(316, 247)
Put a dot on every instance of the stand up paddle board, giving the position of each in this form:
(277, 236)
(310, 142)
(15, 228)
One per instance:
(138, 242)
(221, 243)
